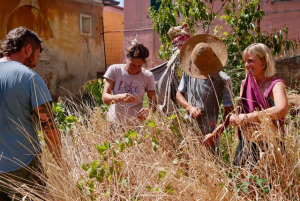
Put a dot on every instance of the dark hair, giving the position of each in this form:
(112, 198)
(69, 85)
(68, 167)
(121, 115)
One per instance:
(138, 50)
(18, 38)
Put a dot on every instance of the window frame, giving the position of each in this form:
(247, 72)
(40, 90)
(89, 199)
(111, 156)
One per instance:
(82, 16)
(156, 5)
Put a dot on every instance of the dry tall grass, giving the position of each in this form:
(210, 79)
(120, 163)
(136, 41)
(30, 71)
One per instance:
(164, 160)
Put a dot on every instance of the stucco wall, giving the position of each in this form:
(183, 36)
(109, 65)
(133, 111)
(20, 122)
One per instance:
(69, 58)
(137, 22)
(279, 14)
(113, 20)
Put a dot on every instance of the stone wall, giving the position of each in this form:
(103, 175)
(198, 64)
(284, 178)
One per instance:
(289, 70)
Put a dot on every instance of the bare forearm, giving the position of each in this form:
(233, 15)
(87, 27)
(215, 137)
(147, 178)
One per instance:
(153, 104)
(111, 99)
(53, 141)
(225, 121)
(182, 101)
(107, 96)
(193, 111)
(221, 127)
(52, 133)
(277, 113)
(274, 113)
(152, 100)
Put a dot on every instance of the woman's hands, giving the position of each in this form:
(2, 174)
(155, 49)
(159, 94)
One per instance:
(143, 113)
(238, 120)
(109, 98)
(127, 98)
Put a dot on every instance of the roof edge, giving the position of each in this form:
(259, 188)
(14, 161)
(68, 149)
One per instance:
(92, 2)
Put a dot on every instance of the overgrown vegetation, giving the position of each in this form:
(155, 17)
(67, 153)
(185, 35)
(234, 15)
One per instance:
(164, 159)
(63, 121)
(92, 94)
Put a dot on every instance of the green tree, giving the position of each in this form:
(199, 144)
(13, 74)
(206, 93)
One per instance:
(242, 18)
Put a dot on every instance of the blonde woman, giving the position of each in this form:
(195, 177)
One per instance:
(261, 93)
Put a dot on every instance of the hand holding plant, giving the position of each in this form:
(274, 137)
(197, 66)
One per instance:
(238, 120)
(194, 112)
(128, 98)
(209, 139)
(143, 113)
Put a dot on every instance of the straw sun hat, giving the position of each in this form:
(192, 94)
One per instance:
(203, 56)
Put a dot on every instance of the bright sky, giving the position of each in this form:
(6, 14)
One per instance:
(121, 3)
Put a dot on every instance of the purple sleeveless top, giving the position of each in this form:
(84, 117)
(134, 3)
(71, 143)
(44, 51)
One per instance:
(253, 99)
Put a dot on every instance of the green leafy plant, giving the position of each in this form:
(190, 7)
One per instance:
(92, 94)
(110, 165)
(102, 170)
(241, 20)
(64, 121)
(249, 184)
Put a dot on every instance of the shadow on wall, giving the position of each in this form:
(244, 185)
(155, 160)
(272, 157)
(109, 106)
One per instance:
(31, 18)
(55, 74)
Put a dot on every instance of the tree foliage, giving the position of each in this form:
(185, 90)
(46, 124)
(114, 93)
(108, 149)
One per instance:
(237, 23)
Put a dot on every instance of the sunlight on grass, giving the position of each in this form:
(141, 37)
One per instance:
(164, 160)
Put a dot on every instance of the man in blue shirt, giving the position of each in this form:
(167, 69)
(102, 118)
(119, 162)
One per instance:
(204, 86)
(23, 96)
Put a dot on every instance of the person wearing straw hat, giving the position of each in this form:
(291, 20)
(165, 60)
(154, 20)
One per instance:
(204, 86)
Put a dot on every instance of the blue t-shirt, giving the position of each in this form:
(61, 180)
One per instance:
(21, 91)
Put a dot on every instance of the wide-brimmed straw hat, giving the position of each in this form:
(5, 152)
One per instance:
(203, 56)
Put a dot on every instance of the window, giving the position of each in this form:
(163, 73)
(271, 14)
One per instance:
(86, 25)
(155, 4)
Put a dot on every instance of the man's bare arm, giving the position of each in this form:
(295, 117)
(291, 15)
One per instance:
(210, 138)
(52, 135)
(193, 111)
